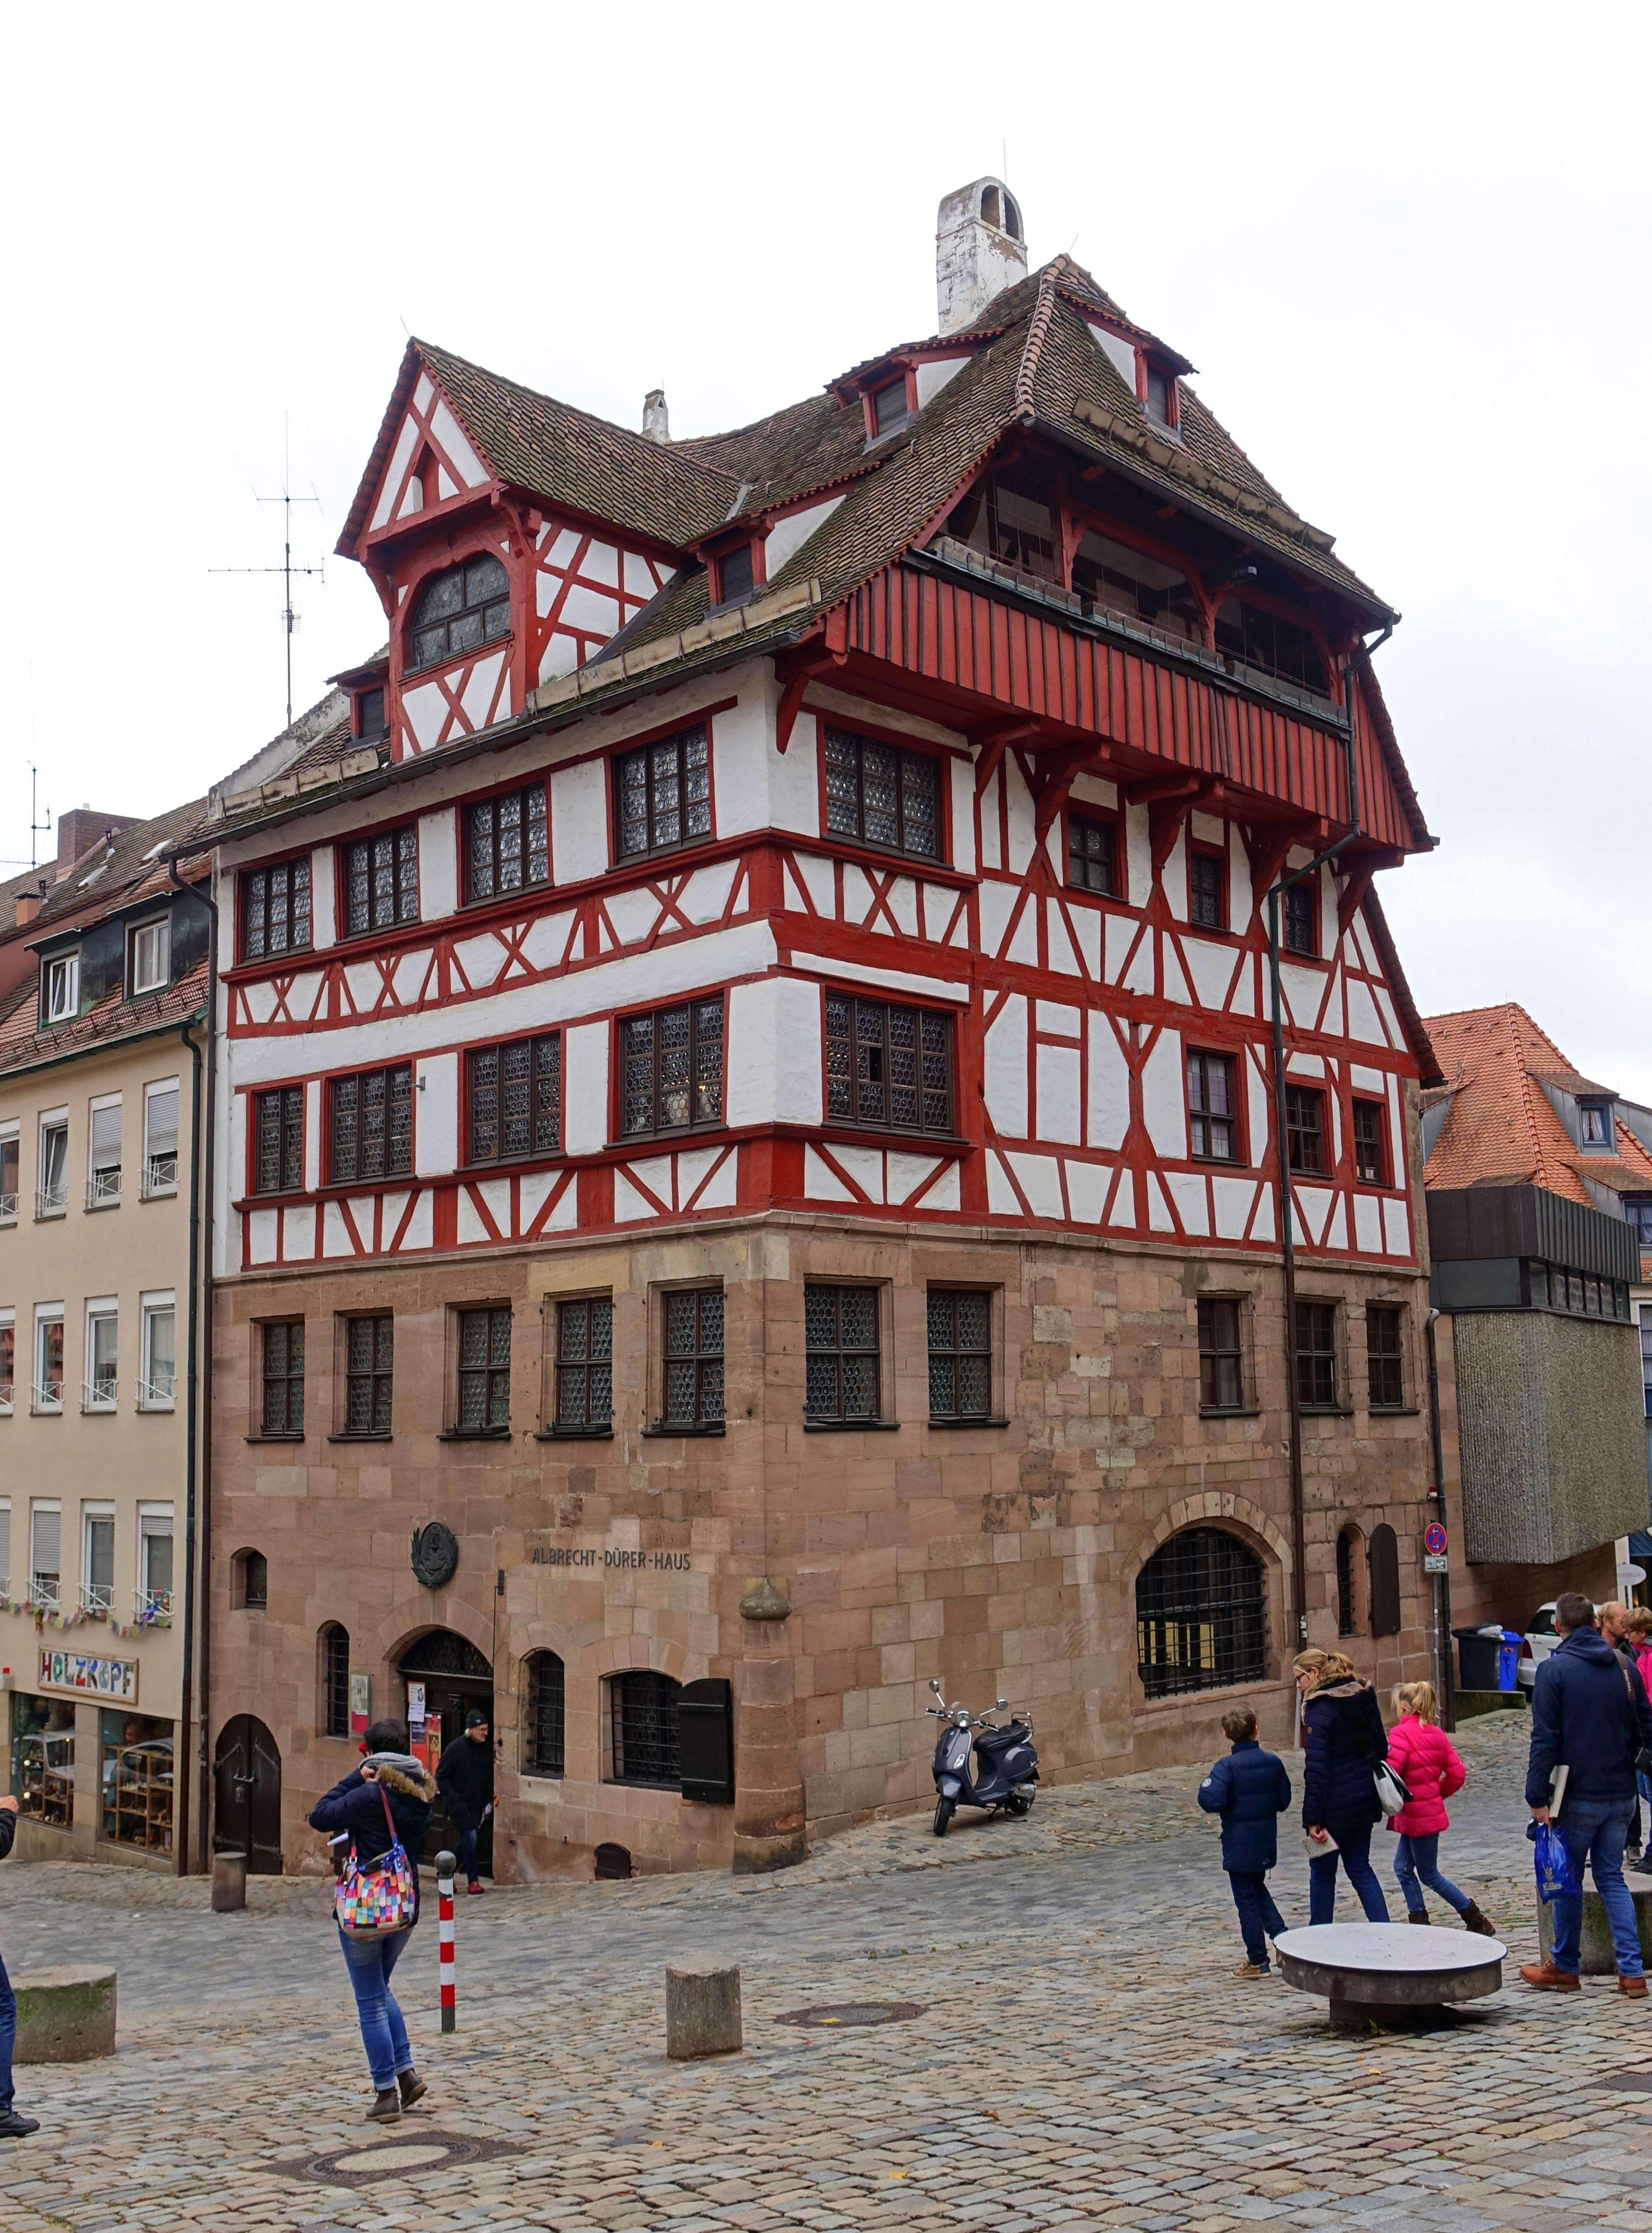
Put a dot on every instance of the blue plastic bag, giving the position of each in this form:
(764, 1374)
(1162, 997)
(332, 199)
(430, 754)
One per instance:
(1555, 1874)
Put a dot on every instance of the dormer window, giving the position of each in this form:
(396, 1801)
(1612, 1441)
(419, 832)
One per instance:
(62, 988)
(369, 724)
(734, 574)
(1594, 1123)
(889, 407)
(459, 612)
(152, 951)
(1160, 391)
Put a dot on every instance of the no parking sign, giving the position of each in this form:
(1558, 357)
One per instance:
(1433, 1548)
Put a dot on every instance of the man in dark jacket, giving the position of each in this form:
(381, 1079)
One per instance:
(12, 2126)
(1589, 1714)
(464, 1778)
(1250, 1790)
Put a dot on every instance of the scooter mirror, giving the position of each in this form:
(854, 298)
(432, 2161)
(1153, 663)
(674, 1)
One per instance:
(935, 1686)
(999, 1704)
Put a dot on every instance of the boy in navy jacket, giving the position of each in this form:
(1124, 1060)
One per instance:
(1250, 1790)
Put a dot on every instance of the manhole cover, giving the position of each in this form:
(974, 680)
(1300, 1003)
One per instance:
(848, 2013)
(1627, 2081)
(406, 2155)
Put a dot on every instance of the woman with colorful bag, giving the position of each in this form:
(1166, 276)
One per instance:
(385, 1804)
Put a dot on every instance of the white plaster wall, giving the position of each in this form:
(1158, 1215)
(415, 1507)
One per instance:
(1006, 1068)
(323, 909)
(1163, 1105)
(774, 1052)
(1058, 1088)
(932, 378)
(787, 536)
(579, 822)
(438, 863)
(1120, 354)
(742, 748)
(312, 1133)
(1138, 852)
(1110, 1085)
(794, 779)
(435, 1115)
(585, 1089)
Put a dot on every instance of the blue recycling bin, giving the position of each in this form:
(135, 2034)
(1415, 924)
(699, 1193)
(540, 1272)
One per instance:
(1508, 1659)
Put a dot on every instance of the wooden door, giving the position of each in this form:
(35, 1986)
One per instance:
(247, 1795)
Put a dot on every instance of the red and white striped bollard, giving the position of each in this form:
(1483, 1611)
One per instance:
(446, 1865)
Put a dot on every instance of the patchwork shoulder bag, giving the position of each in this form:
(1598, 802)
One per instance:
(382, 1897)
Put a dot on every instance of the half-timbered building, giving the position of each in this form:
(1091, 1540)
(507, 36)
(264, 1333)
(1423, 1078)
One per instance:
(750, 1123)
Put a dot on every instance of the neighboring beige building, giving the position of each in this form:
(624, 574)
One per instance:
(102, 1044)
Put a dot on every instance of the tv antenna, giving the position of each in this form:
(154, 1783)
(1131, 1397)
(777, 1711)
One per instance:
(38, 822)
(286, 569)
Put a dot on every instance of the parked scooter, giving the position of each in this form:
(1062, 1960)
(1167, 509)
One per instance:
(1006, 1777)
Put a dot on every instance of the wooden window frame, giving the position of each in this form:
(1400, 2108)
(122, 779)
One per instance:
(857, 1001)
(1197, 1116)
(533, 1761)
(725, 597)
(706, 1364)
(291, 1099)
(1099, 819)
(1396, 1361)
(664, 1707)
(451, 657)
(1296, 1130)
(1216, 859)
(359, 1079)
(905, 750)
(492, 1370)
(1321, 1318)
(841, 1350)
(697, 1008)
(958, 1353)
(246, 879)
(539, 1062)
(1374, 1111)
(286, 1377)
(690, 735)
(1214, 1353)
(403, 839)
(163, 924)
(536, 790)
(378, 1378)
(598, 1352)
(334, 1716)
(1309, 903)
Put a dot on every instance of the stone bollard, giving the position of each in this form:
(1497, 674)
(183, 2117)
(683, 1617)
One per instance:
(1596, 1958)
(229, 1882)
(64, 2015)
(702, 2011)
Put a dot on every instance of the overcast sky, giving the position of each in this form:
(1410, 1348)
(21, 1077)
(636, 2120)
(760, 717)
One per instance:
(1406, 247)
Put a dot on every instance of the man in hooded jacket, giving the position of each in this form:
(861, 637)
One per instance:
(1589, 1715)
(464, 1778)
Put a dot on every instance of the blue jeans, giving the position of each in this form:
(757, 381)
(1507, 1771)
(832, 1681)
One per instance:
(1420, 1857)
(468, 1855)
(1259, 1920)
(1596, 1831)
(8, 2038)
(1354, 1852)
(370, 1962)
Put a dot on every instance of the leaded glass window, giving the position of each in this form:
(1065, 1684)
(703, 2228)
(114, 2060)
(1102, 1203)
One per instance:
(672, 1068)
(887, 1066)
(460, 611)
(275, 909)
(369, 1134)
(841, 1331)
(960, 1354)
(279, 1140)
(692, 1364)
(382, 880)
(484, 1370)
(883, 795)
(664, 793)
(283, 1378)
(514, 1100)
(585, 1362)
(369, 1355)
(507, 843)
(1207, 891)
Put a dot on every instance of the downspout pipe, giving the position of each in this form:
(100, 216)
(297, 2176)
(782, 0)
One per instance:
(191, 1399)
(1445, 1668)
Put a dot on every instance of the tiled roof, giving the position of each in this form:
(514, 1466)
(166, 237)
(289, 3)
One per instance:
(1502, 1128)
(22, 1043)
(104, 879)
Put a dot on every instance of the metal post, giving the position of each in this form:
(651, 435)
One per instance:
(446, 1865)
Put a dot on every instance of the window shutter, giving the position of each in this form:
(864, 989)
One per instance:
(5, 1539)
(47, 1527)
(1385, 1582)
(105, 1138)
(160, 1123)
(706, 1742)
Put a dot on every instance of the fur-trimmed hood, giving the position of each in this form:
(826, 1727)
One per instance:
(399, 1772)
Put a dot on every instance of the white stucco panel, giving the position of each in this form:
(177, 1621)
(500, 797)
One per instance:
(1163, 1100)
(1001, 1196)
(438, 864)
(820, 1182)
(1232, 1199)
(435, 1115)
(906, 1176)
(585, 1088)
(1212, 969)
(742, 739)
(1006, 1068)
(1192, 1205)
(395, 468)
(1397, 1224)
(774, 1052)
(477, 698)
(1176, 986)
(579, 822)
(1159, 1217)
(794, 786)
(1040, 1178)
(546, 945)
(633, 915)
(787, 536)
(993, 901)
(1058, 1091)
(261, 1228)
(481, 959)
(1086, 1190)
(963, 779)
(1123, 1210)
(1368, 1224)
(424, 709)
(1024, 939)
(944, 1192)
(1109, 1086)
(456, 444)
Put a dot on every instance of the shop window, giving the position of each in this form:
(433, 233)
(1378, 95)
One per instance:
(158, 1356)
(507, 844)
(250, 1582)
(369, 1361)
(960, 1352)
(1305, 1128)
(459, 612)
(335, 1681)
(1316, 1375)
(42, 1758)
(160, 1138)
(664, 791)
(1221, 1356)
(1370, 1158)
(369, 1128)
(1385, 1355)
(1301, 918)
(692, 1366)
(841, 1330)
(541, 1745)
(1200, 1616)
(643, 1728)
(138, 1780)
(154, 1593)
(483, 1389)
(1212, 1131)
(279, 1140)
(672, 1073)
(382, 880)
(883, 795)
(275, 909)
(887, 1066)
(103, 1153)
(1385, 1581)
(513, 1100)
(1092, 850)
(281, 1372)
(585, 1364)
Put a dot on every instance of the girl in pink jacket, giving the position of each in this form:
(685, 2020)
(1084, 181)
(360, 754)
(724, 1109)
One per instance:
(1425, 1760)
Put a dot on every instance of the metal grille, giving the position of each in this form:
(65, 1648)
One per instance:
(1317, 1355)
(1089, 855)
(460, 611)
(370, 1132)
(507, 844)
(381, 879)
(645, 1729)
(279, 1125)
(544, 1749)
(887, 1066)
(585, 1362)
(1210, 1106)
(370, 1351)
(881, 795)
(484, 1369)
(514, 1100)
(665, 794)
(1345, 1583)
(335, 1680)
(674, 1068)
(283, 1378)
(960, 1354)
(694, 1358)
(1221, 1377)
(1200, 1622)
(275, 909)
(841, 1326)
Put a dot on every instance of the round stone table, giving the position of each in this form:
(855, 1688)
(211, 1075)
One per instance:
(1382, 1971)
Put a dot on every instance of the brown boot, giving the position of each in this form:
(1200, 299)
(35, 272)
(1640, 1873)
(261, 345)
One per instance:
(411, 2086)
(1473, 1920)
(1417, 1915)
(1634, 1987)
(1548, 1979)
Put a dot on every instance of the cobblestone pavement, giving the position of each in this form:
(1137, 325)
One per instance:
(1083, 2057)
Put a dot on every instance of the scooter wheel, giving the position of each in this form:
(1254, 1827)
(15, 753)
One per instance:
(945, 1809)
(1016, 1805)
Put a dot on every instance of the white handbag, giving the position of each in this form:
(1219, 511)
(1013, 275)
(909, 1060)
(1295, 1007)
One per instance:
(1391, 1793)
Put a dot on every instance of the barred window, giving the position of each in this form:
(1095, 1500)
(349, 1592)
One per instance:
(1200, 1618)
(643, 1706)
(1304, 1129)
(542, 1742)
(484, 1370)
(1210, 1106)
(672, 1068)
(1206, 896)
(1317, 1355)
(283, 1365)
(1222, 1363)
(369, 1354)
(275, 909)
(1385, 1355)
(335, 1680)
(960, 1354)
(369, 1133)
(1300, 928)
(382, 880)
(507, 843)
(513, 1100)
(887, 1066)
(841, 1330)
(664, 793)
(459, 611)
(1090, 856)
(883, 795)
(693, 1365)
(585, 1362)
(1370, 1163)
(279, 1140)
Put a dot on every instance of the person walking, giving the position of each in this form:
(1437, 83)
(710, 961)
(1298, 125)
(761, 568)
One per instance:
(1637, 1634)
(1613, 1619)
(1589, 1714)
(1250, 1790)
(464, 1778)
(388, 1776)
(1427, 1762)
(12, 2126)
(1344, 1741)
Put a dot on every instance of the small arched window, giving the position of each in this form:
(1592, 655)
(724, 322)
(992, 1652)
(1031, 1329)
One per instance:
(1350, 1582)
(990, 205)
(249, 1581)
(459, 611)
(335, 1680)
(1385, 1581)
(541, 1750)
(1200, 1618)
(1011, 217)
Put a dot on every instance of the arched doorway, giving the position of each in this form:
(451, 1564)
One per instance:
(246, 1814)
(456, 1677)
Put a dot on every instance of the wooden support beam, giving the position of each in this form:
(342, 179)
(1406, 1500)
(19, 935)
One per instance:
(992, 744)
(796, 680)
(1359, 883)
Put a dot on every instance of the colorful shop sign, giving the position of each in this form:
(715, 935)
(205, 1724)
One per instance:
(102, 1678)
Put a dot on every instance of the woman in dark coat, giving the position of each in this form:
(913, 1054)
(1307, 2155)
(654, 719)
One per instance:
(357, 1804)
(1344, 1741)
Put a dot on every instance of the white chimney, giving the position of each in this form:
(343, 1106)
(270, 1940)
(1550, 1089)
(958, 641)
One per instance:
(656, 419)
(979, 251)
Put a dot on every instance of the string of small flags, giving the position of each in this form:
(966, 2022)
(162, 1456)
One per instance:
(46, 1615)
